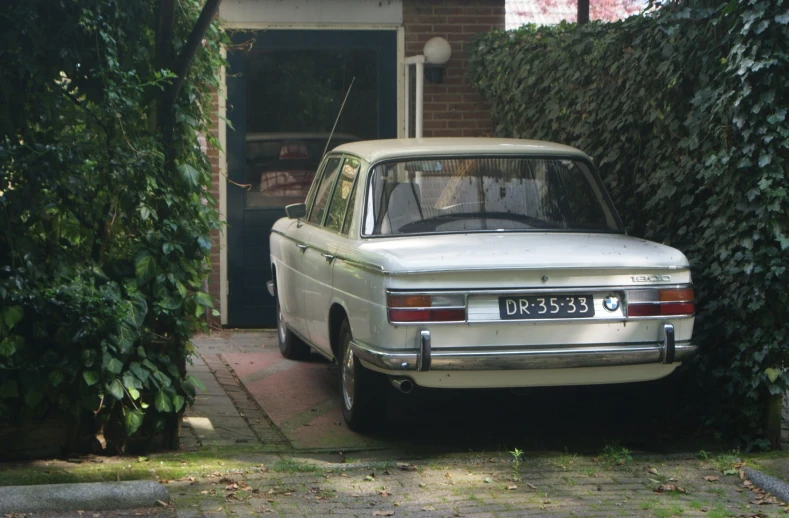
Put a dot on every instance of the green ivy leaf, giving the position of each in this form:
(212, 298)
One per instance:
(114, 366)
(178, 402)
(90, 377)
(772, 374)
(130, 380)
(189, 174)
(12, 315)
(132, 421)
(191, 385)
(115, 389)
(204, 243)
(138, 371)
(204, 299)
(171, 303)
(7, 347)
(144, 267)
(196, 383)
(162, 402)
(162, 378)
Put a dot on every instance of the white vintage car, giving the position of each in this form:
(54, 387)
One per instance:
(472, 263)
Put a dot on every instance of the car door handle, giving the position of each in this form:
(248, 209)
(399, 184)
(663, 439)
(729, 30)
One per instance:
(329, 258)
(303, 248)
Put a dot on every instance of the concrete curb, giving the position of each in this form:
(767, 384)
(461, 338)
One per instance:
(775, 486)
(98, 496)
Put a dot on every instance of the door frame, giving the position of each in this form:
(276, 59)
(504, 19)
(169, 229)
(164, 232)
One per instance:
(222, 113)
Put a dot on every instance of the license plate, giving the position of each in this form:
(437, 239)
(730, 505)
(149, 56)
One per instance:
(546, 306)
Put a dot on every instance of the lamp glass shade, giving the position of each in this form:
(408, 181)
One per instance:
(437, 51)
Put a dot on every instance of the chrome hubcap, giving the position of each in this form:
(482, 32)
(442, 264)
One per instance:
(347, 377)
(280, 326)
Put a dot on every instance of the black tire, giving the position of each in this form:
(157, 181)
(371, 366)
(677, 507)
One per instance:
(290, 345)
(362, 391)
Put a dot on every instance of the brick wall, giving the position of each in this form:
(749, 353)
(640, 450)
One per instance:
(453, 108)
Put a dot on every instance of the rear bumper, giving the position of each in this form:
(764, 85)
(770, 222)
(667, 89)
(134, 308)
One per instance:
(426, 358)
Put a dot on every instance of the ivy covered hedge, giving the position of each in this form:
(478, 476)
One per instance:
(104, 229)
(685, 112)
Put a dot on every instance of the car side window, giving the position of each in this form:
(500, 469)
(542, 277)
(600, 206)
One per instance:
(346, 226)
(323, 190)
(342, 194)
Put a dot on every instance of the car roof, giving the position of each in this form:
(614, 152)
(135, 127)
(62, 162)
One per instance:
(254, 137)
(376, 150)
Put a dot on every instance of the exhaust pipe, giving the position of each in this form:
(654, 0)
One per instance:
(404, 385)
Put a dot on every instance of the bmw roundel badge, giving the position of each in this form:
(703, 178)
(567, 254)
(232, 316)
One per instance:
(611, 303)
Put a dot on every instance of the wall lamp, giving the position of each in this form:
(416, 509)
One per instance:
(437, 52)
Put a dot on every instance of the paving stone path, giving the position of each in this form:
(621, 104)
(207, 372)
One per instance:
(226, 414)
(284, 418)
(474, 486)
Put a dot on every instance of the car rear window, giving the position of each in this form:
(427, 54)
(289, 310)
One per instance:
(450, 195)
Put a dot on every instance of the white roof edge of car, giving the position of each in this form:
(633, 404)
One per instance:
(262, 135)
(376, 150)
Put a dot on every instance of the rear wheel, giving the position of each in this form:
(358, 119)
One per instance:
(290, 345)
(363, 390)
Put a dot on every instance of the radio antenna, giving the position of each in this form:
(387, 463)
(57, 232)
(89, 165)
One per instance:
(326, 149)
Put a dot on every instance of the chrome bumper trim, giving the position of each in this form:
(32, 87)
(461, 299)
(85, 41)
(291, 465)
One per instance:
(270, 288)
(517, 358)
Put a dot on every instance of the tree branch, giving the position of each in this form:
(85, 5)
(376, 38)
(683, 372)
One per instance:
(164, 33)
(184, 60)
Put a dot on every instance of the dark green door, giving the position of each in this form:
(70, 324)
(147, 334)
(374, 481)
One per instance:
(284, 91)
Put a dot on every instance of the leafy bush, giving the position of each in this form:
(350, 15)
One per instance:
(104, 245)
(685, 111)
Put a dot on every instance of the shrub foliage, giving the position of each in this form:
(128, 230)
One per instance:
(103, 244)
(685, 111)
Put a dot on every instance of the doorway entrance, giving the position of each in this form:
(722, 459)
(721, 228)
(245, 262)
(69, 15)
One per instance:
(284, 92)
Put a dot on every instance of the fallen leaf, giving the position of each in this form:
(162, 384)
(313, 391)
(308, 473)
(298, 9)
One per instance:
(428, 508)
(488, 480)
(384, 493)
(653, 471)
(670, 488)
(654, 481)
(383, 513)
(231, 487)
(711, 478)
(370, 477)
(512, 486)
(531, 485)
(730, 472)
(405, 466)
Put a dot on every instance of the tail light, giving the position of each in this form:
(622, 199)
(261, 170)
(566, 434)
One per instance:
(660, 302)
(418, 307)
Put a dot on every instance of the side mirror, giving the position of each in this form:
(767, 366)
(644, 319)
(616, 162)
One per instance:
(296, 211)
